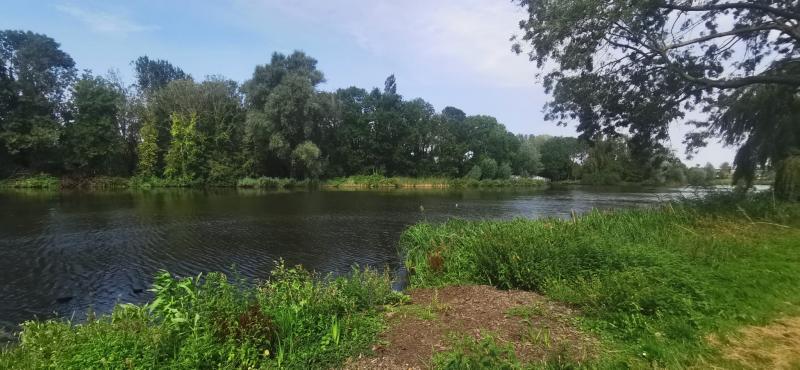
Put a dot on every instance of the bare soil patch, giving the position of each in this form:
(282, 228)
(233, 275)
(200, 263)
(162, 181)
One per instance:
(537, 328)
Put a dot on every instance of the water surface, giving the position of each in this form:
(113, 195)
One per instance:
(61, 253)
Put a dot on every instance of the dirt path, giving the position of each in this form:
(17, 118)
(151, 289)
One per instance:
(537, 328)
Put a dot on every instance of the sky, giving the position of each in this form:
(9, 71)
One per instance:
(448, 52)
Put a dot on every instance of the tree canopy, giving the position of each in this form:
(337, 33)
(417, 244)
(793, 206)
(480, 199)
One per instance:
(170, 127)
(639, 65)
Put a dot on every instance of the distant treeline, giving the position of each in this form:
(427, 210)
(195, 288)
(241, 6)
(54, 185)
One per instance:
(171, 127)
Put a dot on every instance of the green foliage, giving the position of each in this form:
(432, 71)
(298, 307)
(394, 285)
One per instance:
(615, 66)
(183, 162)
(488, 168)
(697, 176)
(40, 181)
(471, 354)
(294, 320)
(475, 173)
(271, 183)
(154, 74)
(35, 75)
(378, 181)
(559, 156)
(306, 160)
(147, 150)
(277, 124)
(787, 180)
(503, 172)
(93, 141)
(653, 282)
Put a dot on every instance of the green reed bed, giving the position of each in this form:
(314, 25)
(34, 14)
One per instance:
(653, 283)
(294, 320)
(41, 181)
(378, 181)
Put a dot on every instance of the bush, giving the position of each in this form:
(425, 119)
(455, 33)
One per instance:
(474, 174)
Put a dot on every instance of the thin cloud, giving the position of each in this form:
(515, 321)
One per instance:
(104, 22)
(460, 37)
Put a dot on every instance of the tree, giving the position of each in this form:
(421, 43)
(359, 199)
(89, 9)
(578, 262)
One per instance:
(284, 111)
(182, 162)
(605, 161)
(504, 171)
(488, 168)
(154, 74)
(306, 161)
(34, 78)
(641, 65)
(147, 150)
(697, 176)
(92, 140)
(528, 160)
(725, 170)
(711, 172)
(559, 156)
(268, 76)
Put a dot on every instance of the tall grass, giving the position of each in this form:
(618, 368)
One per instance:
(295, 320)
(654, 282)
(378, 181)
(272, 183)
(40, 181)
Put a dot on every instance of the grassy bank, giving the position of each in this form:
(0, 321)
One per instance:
(295, 320)
(378, 181)
(44, 181)
(653, 284)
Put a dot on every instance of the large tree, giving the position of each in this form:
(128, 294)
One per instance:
(34, 78)
(154, 74)
(92, 141)
(643, 64)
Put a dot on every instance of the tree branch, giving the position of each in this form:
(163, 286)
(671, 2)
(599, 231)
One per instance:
(769, 26)
(728, 6)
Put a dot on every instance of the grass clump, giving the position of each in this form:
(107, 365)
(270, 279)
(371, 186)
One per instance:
(376, 181)
(272, 183)
(653, 282)
(471, 353)
(40, 181)
(294, 320)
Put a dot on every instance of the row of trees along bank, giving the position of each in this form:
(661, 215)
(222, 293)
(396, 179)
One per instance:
(169, 126)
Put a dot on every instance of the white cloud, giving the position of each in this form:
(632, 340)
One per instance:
(104, 22)
(467, 39)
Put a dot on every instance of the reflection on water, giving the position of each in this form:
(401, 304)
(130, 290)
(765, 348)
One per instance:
(61, 253)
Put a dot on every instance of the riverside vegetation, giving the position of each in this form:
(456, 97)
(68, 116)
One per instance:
(653, 283)
(169, 130)
(661, 287)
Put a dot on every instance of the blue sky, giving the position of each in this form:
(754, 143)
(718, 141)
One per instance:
(448, 52)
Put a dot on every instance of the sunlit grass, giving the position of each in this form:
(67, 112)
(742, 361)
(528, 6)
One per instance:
(652, 282)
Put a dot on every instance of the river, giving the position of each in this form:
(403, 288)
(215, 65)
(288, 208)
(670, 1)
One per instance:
(61, 253)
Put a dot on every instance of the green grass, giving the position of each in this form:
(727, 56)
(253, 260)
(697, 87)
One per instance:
(651, 283)
(378, 181)
(295, 320)
(272, 183)
(40, 181)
